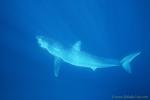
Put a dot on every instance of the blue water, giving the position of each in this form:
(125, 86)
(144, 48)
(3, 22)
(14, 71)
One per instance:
(107, 28)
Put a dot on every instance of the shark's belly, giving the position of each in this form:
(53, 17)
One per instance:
(89, 61)
(81, 61)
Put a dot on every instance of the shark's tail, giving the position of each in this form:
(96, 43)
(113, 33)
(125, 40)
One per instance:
(127, 60)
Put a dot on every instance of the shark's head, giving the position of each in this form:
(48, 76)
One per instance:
(50, 45)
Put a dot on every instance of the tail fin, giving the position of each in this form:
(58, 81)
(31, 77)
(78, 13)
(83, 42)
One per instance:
(126, 61)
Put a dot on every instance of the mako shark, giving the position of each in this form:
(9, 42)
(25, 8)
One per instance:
(78, 58)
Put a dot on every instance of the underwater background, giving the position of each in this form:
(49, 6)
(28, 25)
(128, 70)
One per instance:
(106, 28)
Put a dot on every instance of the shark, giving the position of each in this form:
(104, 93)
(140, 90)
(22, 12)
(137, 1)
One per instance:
(78, 58)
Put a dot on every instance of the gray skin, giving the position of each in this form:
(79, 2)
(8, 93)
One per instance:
(78, 58)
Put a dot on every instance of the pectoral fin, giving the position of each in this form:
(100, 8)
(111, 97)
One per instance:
(57, 64)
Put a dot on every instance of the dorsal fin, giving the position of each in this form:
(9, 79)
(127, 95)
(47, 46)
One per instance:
(77, 46)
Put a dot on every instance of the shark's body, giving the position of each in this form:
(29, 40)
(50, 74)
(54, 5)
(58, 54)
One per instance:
(79, 58)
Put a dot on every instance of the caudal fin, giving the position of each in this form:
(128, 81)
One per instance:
(127, 60)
